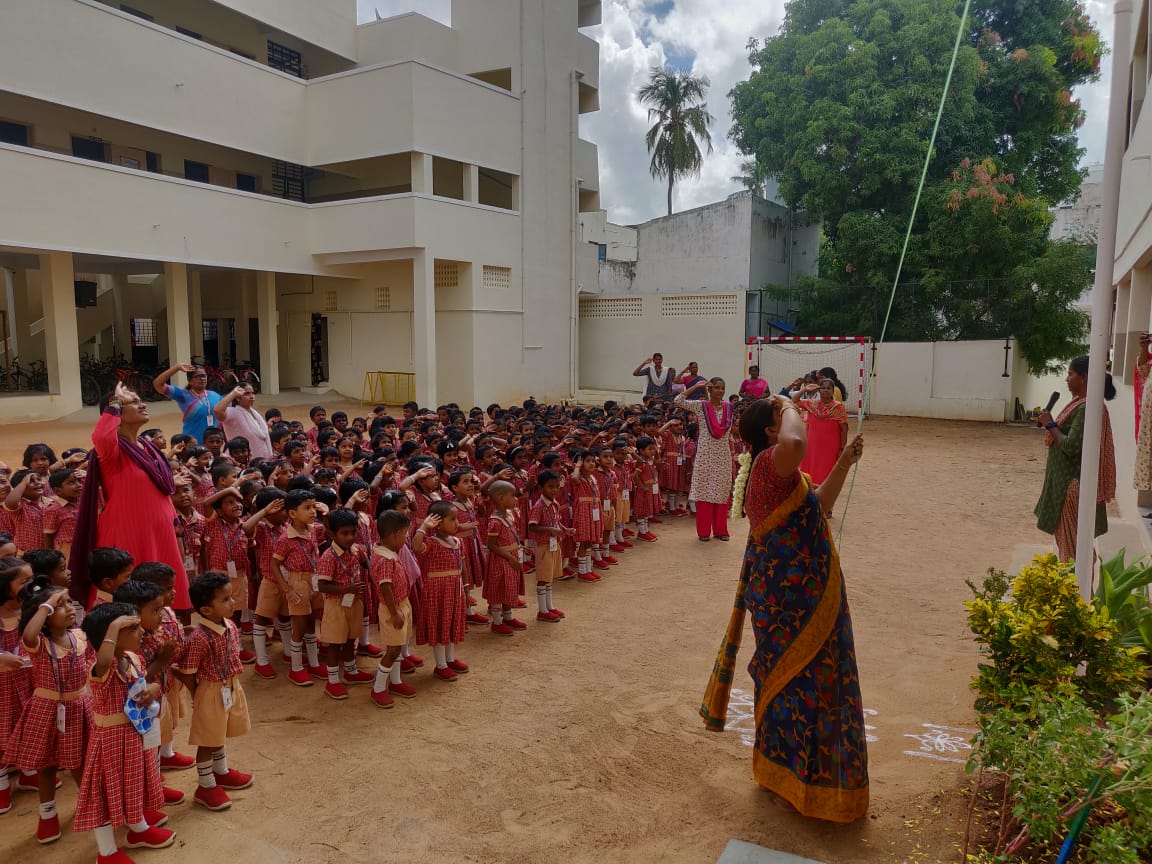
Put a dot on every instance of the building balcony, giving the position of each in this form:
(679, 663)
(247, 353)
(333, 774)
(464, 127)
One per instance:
(588, 60)
(587, 165)
(330, 24)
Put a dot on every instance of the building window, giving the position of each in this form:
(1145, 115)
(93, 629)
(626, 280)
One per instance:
(15, 133)
(611, 307)
(208, 328)
(152, 162)
(288, 181)
(191, 34)
(197, 171)
(602, 252)
(89, 148)
(143, 333)
(699, 306)
(497, 278)
(285, 59)
(246, 182)
(136, 12)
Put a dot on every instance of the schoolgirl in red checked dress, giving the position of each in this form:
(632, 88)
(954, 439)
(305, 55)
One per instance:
(462, 485)
(646, 494)
(502, 587)
(674, 467)
(15, 677)
(442, 622)
(584, 494)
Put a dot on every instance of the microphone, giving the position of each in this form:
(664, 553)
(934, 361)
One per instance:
(1052, 400)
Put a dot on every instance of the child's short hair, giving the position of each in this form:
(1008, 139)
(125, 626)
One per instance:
(291, 447)
(155, 572)
(266, 496)
(137, 592)
(300, 483)
(222, 472)
(389, 501)
(391, 521)
(9, 569)
(326, 496)
(644, 441)
(339, 415)
(59, 477)
(329, 453)
(32, 595)
(203, 589)
(294, 499)
(500, 487)
(180, 438)
(350, 487)
(456, 476)
(107, 562)
(410, 406)
(152, 433)
(342, 518)
(213, 432)
(18, 478)
(97, 621)
(545, 476)
(314, 410)
(238, 443)
(219, 502)
(270, 413)
(251, 486)
(279, 433)
(442, 509)
(38, 450)
(43, 561)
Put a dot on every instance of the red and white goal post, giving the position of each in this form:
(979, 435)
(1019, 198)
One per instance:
(783, 359)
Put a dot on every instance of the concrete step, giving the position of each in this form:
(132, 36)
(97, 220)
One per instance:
(739, 852)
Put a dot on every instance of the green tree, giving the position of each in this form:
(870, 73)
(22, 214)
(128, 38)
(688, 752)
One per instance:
(675, 101)
(839, 108)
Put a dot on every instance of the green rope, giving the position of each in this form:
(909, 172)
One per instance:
(904, 249)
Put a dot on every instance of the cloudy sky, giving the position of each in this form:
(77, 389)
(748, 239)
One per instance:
(707, 38)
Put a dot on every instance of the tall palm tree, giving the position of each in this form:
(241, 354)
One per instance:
(675, 102)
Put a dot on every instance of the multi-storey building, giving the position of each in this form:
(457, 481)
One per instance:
(267, 181)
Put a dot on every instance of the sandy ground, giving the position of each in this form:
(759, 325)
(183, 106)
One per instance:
(580, 742)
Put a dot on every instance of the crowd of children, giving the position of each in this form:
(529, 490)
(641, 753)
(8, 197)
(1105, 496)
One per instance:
(399, 523)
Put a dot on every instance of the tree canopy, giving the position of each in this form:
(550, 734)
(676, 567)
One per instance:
(839, 109)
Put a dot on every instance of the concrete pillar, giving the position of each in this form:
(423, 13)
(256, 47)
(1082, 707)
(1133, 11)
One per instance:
(195, 314)
(472, 183)
(22, 314)
(61, 339)
(1120, 327)
(422, 173)
(243, 343)
(1139, 315)
(176, 302)
(424, 327)
(269, 338)
(121, 318)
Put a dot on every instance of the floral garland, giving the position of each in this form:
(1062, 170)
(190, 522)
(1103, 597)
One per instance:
(740, 485)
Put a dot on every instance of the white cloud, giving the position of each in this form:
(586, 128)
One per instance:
(1094, 97)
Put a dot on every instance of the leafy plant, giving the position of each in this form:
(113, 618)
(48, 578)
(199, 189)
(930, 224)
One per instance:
(1123, 594)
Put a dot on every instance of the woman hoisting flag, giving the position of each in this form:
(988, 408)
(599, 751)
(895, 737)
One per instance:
(660, 379)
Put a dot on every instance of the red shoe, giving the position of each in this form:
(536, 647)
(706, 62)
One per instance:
(118, 857)
(568, 573)
(247, 657)
(515, 624)
(5, 800)
(382, 699)
(656, 520)
(416, 662)
(477, 618)
(172, 797)
(559, 613)
(367, 649)
(246, 628)
(406, 665)
(214, 799)
(502, 629)
(625, 544)
(404, 691)
(318, 672)
(335, 691)
(287, 658)
(48, 830)
(601, 564)
(264, 671)
(176, 762)
(550, 617)
(617, 547)
(611, 559)
(234, 780)
(647, 537)
(519, 604)
(301, 678)
(358, 677)
(458, 666)
(628, 532)
(153, 838)
(155, 818)
(587, 577)
(445, 674)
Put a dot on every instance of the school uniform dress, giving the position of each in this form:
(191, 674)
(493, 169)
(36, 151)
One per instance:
(212, 654)
(121, 779)
(444, 605)
(15, 688)
(226, 551)
(270, 600)
(420, 505)
(344, 569)
(60, 524)
(27, 526)
(586, 509)
(298, 553)
(502, 587)
(474, 555)
(386, 568)
(606, 480)
(59, 677)
(366, 537)
(549, 558)
(624, 498)
(646, 497)
(674, 463)
(171, 708)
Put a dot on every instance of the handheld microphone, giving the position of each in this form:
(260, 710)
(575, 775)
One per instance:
(1052, 400)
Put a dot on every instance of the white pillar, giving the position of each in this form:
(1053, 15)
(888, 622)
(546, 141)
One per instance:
(243, 344)
(61, 340)
(121, 318)
(424, 327)
(176, 301)
(1136, 322)
(472, 183)
(195, 314)
(269, 337)
(19, 315)
(1102, 295)
(422, 173)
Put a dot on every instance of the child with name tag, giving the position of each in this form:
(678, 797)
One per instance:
(585, 498)
(298, 557)
(341, 573)
(505, 559)
(547, 528)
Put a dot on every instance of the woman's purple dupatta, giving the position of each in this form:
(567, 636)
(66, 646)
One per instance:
(718, 428)
(149, 460)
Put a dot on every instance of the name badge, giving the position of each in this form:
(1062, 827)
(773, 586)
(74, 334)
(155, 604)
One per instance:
(231, 569)
(595, 514)
(226, 697)
(151, 739)
(679, 460)
(655, 488)
(520, 554)
(625, 495)
(347, 600)
(553, 544)
(61, 716)
(189, 564)
(607, 504)
(315, 581)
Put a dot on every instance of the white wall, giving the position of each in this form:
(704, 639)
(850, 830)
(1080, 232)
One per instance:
(331, 24)
(942, 380)
(409, 36)
(705, 249)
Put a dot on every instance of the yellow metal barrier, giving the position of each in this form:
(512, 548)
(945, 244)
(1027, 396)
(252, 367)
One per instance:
(388, 388)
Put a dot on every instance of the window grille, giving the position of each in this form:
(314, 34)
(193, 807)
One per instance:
(497, 278)
(383, 298)
(612, 307)
(446, 274)
(143, 333)
(699, 306)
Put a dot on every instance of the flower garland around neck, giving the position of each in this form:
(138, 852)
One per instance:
(740, 485)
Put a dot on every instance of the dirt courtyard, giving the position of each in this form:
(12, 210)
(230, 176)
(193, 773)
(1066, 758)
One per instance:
(580, 742)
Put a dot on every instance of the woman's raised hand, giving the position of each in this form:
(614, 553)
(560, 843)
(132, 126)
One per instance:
(852, 452)
(186, 367)
(123, 393)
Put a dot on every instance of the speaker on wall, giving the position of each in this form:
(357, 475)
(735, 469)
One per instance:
(85, 294)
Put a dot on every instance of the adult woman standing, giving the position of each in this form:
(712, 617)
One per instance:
(692, 377)
(1142, 468)
(810, 748)
(659, 379)
(1057, 509)
(712, 469)
(753, 386)
(137, 485)
(827, 422)
(196, 401)
(239, 418)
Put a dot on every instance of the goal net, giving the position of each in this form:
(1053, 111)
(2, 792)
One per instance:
(783, 359)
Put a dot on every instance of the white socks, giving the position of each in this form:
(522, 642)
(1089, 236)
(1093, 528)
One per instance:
(394, 672)
(140, 827)
(284, 628)
(542, 599)
(204, 775)
(105, 840)
(350, 666)
(333, 674)
(404, 652)
(260, 644)
(548, 596)
(364, 634)
(381, 682)
(313, 649)
(4, 782)
(296, 649)
(220, 761)
(245, 616)
(642, 524)
(167, 751)
(494, 613)
(450, 653)
(439, 652)
(48, 810)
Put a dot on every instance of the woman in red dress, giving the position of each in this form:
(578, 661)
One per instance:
(135, 511)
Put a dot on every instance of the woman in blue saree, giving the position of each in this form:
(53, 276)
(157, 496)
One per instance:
(810, 746)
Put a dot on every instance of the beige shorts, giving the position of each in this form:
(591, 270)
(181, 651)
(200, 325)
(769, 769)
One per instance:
(549, 565)
(270, 600)
(301, 584)
(240, 590)
(341, 623)
(608, 519)
(390, 635)
(623, 511)
(211, 724)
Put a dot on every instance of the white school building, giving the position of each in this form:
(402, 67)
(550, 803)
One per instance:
(268, 181)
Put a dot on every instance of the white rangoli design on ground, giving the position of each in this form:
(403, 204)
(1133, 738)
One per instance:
(942, 743)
